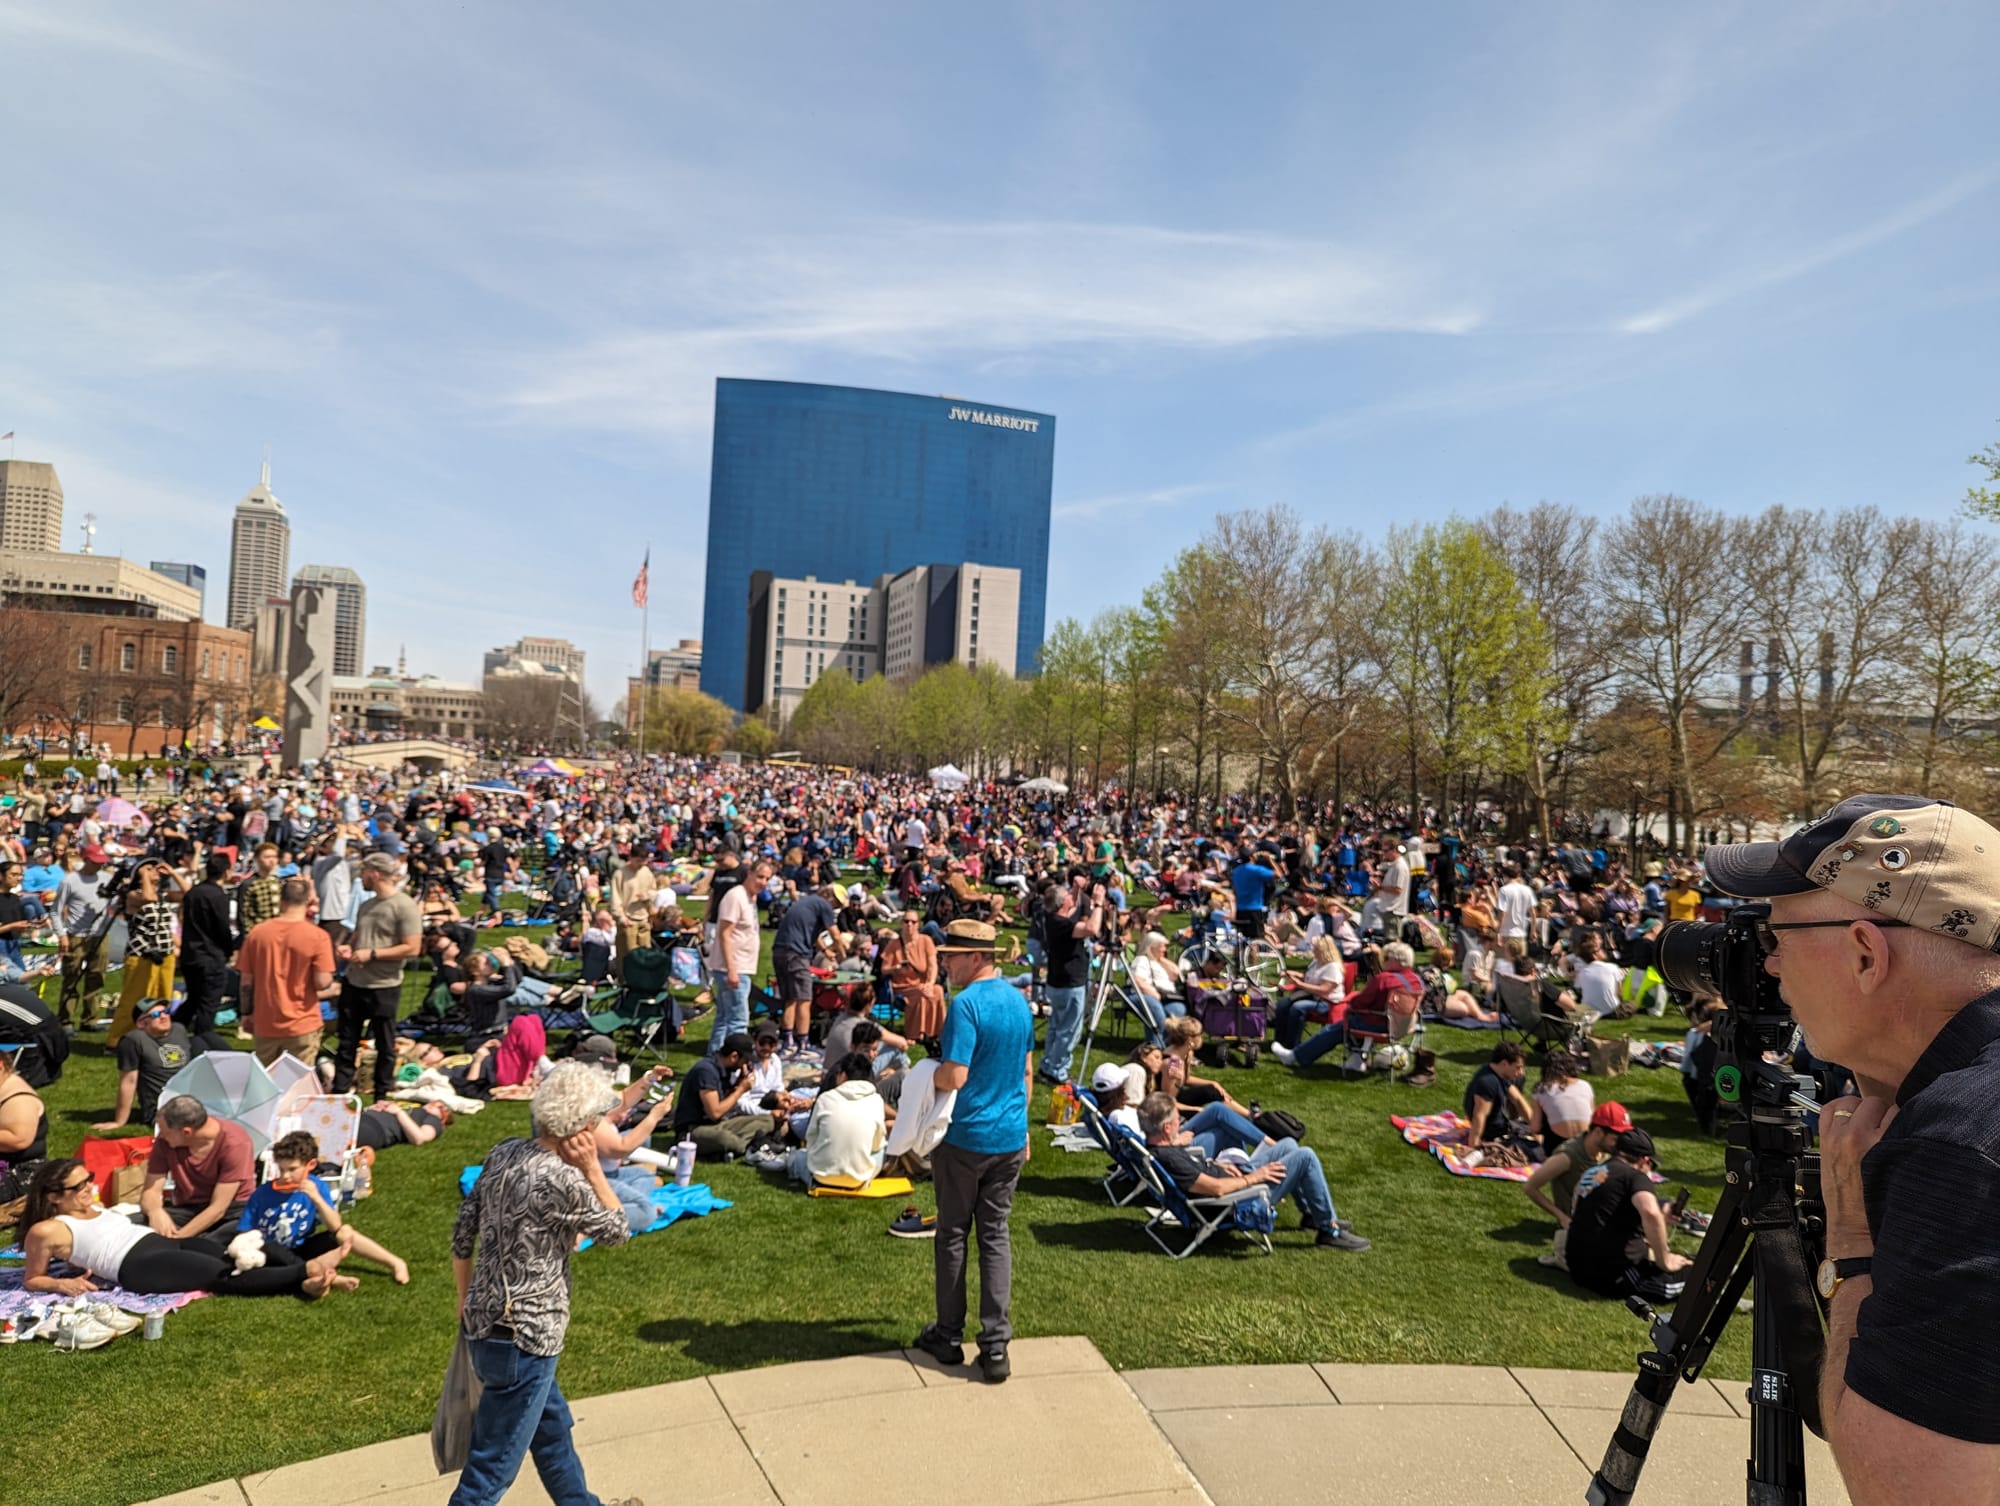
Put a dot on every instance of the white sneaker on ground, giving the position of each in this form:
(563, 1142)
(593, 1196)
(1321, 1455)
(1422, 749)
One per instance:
(1284, 1054)
(78, 1330)
(114, 1318)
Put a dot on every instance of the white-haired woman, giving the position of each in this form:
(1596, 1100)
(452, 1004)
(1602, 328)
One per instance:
(1388, 1003)
(510, 1252)
(1156, 978)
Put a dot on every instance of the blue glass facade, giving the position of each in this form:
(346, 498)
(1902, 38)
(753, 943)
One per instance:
(845, 483)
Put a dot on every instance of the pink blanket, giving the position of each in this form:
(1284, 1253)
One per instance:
(1443, 1135)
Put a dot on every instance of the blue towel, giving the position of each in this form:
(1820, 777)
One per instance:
(673, 1201)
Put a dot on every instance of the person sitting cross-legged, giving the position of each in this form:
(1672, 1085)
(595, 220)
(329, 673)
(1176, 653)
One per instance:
(1287, 1167)
(709, 1092)
(286, 1210)
(1617, 1243)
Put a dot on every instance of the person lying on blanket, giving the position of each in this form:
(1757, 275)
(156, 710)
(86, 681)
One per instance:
(287, 1209)
(1288, 1168)
(385, 1124)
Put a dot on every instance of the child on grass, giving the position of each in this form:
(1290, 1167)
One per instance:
(286, 1210)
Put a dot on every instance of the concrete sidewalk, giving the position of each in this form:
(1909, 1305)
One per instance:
(897, 1429)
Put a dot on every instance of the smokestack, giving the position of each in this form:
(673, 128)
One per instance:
(1771, 676)
(1825, 671)
(1746, 678)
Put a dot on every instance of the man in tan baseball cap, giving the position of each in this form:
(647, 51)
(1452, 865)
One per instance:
(1884, 924)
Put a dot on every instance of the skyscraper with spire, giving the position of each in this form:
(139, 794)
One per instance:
(260, 552)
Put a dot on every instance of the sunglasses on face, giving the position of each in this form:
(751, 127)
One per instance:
(74, 1186)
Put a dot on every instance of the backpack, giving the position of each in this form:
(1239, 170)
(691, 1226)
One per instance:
(1279, 1125)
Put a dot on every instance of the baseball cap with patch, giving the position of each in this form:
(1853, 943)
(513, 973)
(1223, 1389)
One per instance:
(1926, 863)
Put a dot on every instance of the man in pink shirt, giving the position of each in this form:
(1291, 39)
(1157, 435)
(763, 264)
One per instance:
(732, 957)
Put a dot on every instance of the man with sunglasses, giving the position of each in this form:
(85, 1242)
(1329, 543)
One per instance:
(1883, 928)
(148, 1057)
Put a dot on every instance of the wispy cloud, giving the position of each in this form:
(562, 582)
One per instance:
(67, 28)
(911, 293)
(1736, 285)
(1118, 502)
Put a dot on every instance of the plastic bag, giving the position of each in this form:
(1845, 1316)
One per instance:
(451, 1429)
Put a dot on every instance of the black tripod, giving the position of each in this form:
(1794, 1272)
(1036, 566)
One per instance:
(1768, 1216)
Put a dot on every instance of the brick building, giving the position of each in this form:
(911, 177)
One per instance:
(139, 684)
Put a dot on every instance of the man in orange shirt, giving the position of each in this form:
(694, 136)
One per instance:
(287, 968)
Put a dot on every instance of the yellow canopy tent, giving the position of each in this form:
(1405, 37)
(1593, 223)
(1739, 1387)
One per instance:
(265, 724)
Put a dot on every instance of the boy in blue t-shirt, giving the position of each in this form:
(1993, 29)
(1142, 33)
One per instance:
(285, 1211)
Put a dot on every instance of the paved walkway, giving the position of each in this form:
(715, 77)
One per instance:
(898, 1430)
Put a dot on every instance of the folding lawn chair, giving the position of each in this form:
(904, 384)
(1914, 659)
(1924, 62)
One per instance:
(1197, 1218)
(645, 1003)
(1521, 1006)
(1123, 1181)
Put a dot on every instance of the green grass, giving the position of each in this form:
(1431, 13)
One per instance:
(243, 1385)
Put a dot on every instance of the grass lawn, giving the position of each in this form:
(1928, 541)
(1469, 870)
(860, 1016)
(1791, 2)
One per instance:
(242, 1385)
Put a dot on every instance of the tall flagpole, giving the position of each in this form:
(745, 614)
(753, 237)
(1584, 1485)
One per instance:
(645, 644)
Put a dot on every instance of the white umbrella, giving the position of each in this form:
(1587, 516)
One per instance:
(1045, 787)
(231, 1085)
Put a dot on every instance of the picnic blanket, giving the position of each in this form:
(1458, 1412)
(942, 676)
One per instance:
(14, 1300)
(1443, 1135)
(671, 1203)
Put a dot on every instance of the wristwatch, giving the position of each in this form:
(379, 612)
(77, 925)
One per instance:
(1833, 1272)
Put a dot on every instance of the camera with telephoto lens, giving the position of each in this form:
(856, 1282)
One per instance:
(1724, 959)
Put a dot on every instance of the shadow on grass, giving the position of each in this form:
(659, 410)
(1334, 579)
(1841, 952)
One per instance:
(1531, 1270)
(1107, 1234)
(762, 1340)
(1528, 1231)
(1072, 1189)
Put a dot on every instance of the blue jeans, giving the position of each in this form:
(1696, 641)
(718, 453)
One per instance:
(1218, 1125)
(1320, 1042)
(1288, 1021)
(1153, 1011)
(1065, 1023)
(521, 1411)
(1304, 1183)
(732, 1011)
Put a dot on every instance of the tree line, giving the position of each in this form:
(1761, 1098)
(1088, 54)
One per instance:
(1673, 661)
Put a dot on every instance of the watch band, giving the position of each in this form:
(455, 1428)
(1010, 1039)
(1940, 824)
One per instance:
(1853, 1265)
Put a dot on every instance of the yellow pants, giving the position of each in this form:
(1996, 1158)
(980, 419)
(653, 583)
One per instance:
(143, 980)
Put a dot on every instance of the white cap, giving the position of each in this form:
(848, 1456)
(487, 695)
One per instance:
(1108, 1075)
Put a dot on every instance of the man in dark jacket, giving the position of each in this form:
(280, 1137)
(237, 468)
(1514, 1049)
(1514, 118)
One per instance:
(208, 940)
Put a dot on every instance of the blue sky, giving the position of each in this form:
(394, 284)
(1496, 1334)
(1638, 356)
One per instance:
(471, 272)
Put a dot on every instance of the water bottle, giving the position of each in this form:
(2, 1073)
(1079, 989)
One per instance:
(364, 1178)
(684, 1162)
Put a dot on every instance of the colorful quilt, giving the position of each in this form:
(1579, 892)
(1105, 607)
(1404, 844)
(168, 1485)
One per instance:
(1443, 1135)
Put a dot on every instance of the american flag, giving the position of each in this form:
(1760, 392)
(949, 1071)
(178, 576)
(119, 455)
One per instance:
(8, 435)
(639, 581)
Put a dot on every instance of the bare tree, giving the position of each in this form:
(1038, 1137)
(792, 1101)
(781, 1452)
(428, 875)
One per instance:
(1949, 652)
(1676, 609)
(1280, 601)
(1834, 591)
(32, 650)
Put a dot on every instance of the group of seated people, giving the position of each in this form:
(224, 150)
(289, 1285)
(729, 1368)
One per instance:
(184, 1244)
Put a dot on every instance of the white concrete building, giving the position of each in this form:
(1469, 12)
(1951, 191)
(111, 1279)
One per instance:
(260, 553)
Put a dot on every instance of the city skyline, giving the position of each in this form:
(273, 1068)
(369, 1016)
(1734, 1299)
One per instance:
(1376, 266)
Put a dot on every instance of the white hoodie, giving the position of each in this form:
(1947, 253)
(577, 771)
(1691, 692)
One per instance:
(845, 1138)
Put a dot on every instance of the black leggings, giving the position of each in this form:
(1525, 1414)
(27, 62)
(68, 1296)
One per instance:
(201, 1264)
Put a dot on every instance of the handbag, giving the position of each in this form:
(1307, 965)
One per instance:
(1279, 1125)
(451, 1428)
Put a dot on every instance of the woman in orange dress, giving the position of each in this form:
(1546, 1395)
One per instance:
(912, 971)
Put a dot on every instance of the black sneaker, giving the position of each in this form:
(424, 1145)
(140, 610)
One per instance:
(1340, 1237)
(914, 1223)
(993, 1363)
(945, 1351)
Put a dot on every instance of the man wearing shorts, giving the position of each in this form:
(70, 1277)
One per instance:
(286, 964)
(791, 956)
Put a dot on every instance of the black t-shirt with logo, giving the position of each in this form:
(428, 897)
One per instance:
(156, 1061)
(1605, 1233)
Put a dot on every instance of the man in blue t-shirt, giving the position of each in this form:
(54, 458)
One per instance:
(1252, 879)
(987, 1059)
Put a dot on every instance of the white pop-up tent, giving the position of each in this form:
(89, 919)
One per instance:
(949, 775)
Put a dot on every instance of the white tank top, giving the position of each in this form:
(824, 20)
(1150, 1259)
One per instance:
(101, 1244)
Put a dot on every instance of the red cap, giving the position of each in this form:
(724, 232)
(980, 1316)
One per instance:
(95, 854)
(1611, 1116)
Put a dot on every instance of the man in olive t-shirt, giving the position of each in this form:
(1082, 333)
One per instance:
(388, 931)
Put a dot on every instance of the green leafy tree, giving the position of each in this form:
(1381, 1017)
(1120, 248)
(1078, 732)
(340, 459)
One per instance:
(685, 721)
(1983, 501)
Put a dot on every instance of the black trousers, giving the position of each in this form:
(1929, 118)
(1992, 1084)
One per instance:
(372, 1012)
(202, 1264)
(206, 980)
